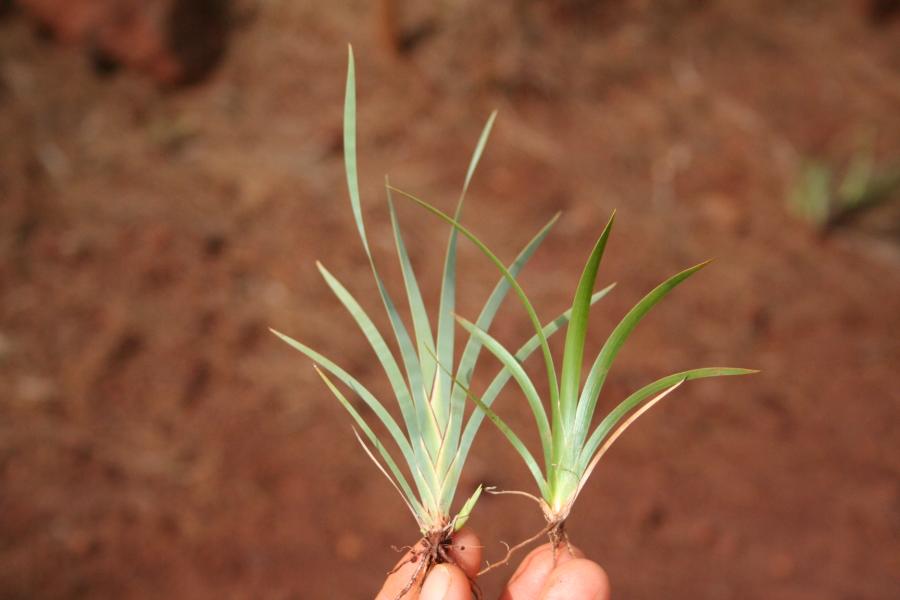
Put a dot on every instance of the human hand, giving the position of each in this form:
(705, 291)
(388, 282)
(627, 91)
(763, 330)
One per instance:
(573, 577)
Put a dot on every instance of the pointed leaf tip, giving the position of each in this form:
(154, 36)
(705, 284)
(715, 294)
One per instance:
(466, 510)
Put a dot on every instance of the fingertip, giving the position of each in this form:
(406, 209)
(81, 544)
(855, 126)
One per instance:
(446, 582)
(466, 551)
(577, 579)
(543, 559)
(534, 570)
(564, 552)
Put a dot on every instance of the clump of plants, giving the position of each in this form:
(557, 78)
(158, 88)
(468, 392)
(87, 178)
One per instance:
(434, 439)
(431, 386)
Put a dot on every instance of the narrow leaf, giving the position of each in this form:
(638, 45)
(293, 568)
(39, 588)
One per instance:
(473, 346)
(377, 407)
(421, 324)
(463, 515)
(510, 435)
(350, 147)
(573, 355)
(497, 385)
(479, 150)
(418, 517)
(513, 439)
(427, 427)
(419, 420)
(525, 384)
(597, 375)
(354, 384)
(445, 333)
(545, 348)
(609, 442)
(635, 400)
(398, 479)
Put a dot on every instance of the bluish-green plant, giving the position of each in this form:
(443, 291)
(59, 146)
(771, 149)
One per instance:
(435, 437)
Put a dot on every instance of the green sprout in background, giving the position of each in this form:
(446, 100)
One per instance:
(569, 449)
(828, 198)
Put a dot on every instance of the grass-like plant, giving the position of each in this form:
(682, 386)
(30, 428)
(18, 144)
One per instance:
(435, 438)
(569, 448)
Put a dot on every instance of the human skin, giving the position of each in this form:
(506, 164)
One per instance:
(573, 577)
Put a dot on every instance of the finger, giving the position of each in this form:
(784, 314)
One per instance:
(446, 582)
(466, 551)
(401, 576)
(576, 579)
(531, 576)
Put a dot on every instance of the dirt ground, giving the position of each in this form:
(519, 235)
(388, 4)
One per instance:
(157, 442)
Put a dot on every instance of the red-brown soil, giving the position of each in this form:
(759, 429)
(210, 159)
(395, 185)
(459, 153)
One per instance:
(157, 442)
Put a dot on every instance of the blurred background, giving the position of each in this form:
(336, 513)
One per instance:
(171, 169)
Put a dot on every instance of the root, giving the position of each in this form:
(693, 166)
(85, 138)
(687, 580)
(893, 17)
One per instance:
(431, 550)
(556, 531)
(413, 558)
(512, 550)
(495, 492)
(413, 579)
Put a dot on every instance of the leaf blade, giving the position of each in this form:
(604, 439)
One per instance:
(573, 353)
(421, 323)
(585, 475)
(532, 315)
(445, 334)
(473, 347)
(399, 480)
(525, 384)
(350, 164)
(417, 417)
(462, 516)
(587, 402)
(428, 426)
(513, 439)
(500, 380)
(638, 397)
(377, 407)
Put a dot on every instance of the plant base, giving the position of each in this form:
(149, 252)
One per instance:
(558, 538)
(433, 549)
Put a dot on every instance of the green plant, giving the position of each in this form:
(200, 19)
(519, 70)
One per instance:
(432, 402)
(828, 197)
(570, 449)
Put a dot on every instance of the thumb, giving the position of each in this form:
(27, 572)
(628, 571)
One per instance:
(451, 582)
(577, 579)
(446, 582)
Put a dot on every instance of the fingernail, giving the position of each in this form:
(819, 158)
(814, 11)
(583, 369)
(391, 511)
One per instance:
(437, 585)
